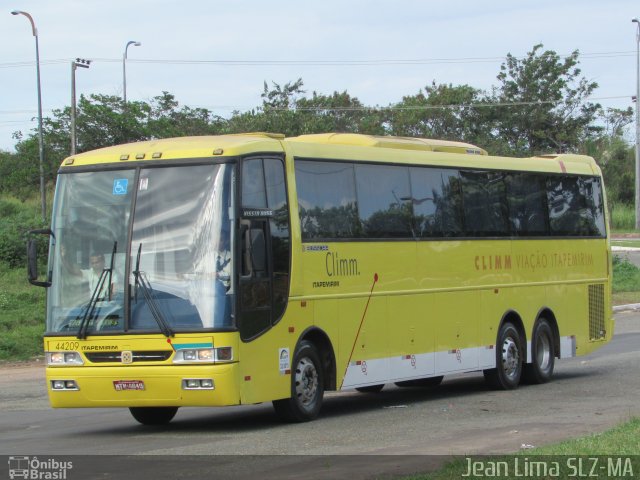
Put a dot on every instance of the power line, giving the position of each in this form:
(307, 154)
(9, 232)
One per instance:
(321, 63)
(32, 63)
(391, 107)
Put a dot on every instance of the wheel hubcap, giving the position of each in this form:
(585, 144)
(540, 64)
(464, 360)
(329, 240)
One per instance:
(543, 352)
(510, 358)
(306, 382)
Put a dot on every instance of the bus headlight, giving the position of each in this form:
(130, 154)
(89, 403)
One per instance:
(198, 384)
(204, 355)
(61, 359)
(64, 385)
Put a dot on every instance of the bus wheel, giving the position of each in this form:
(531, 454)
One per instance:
(421, 382)
(543, 354)
(307, 386)
(371, 389)
(506, 375)
(153, 415)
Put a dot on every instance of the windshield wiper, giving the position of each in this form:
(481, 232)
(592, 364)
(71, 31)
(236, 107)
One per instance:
(147, 293)
(113, 256)
(95, 295)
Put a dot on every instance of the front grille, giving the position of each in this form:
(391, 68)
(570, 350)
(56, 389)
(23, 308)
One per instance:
(137, 356)
(596, 312)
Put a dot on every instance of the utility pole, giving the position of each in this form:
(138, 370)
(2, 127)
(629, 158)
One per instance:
(637, 195)
(43, 198)
(82, 63)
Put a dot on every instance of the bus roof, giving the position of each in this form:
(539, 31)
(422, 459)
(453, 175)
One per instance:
(420, 151)
(181, 148)
(339, 146)
(406, 143)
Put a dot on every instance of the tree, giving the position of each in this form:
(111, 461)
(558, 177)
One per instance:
(615, 156)
(441, 111)
(286, 110)
(615, 121)
(19, 178)
(542, 104)
(338, 112)
(104, 120)
(165, 120)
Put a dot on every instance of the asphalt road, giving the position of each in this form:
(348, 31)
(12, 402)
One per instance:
(462, 416)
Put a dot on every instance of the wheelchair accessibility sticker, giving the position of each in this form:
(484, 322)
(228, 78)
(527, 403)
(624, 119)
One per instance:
(120, 186)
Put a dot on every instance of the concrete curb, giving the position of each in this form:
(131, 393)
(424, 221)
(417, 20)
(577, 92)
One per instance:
(632, 307)
(625, 249)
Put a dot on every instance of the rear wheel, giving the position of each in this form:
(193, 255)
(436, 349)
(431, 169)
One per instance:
(371, 389)
(543, 354)
(307, 386)
(506, 375)
(153, 415)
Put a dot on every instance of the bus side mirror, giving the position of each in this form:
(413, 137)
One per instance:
(32, 259)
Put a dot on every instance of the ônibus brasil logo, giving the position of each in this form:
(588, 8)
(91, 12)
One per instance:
(37, 469)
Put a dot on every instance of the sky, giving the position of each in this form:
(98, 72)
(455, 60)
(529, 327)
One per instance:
(215, 54)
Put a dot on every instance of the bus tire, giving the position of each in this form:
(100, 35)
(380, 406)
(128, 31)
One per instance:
(371, 389)
(307, 386)
(421, 382)
(543, 354)
(506, 375)
(153, 415)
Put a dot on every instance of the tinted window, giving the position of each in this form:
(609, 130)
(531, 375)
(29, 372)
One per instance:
(527, 201)
(563, 201)
(265, 286)
(594, 205)
(327, 200)
(347, 200)
(384, 201)
(436, 202)
(575, 206)
(253, 189)
(484, 203)
(279, 229)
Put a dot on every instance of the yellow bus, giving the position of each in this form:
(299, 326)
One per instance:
(241, 269)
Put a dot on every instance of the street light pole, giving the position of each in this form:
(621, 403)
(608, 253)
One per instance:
(78, 62)
(637, 195)
(43, 200)
(124, 69)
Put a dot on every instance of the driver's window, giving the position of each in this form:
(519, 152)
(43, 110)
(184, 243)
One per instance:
(265, 246)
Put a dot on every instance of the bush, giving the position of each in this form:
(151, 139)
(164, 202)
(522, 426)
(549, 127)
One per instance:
(16, 219)
(22, 308)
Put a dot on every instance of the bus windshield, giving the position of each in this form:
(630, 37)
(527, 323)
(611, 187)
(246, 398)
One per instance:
(163, 235)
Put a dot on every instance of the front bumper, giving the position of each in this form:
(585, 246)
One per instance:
(163, 386)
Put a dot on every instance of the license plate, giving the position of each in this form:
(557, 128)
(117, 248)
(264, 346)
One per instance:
(121, 385)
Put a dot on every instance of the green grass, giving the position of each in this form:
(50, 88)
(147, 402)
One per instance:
(623, 440)
(21, 315)
(626, 276)
(625, 298)
(623, 217)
